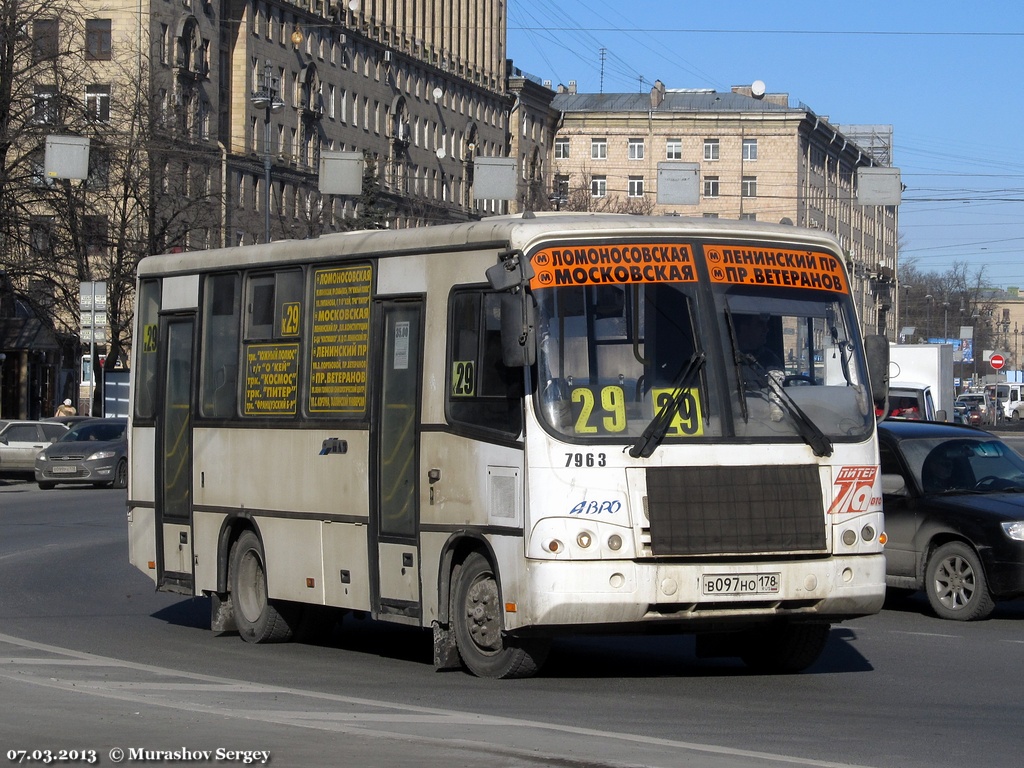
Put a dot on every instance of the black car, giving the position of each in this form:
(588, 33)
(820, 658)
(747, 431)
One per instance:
(953, 498)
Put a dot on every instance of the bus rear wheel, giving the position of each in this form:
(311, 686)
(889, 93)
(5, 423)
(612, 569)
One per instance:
(485, 649)
(785, 648)
(259, 619)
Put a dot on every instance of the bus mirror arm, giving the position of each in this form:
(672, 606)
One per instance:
(876, 349)
(511, 273)
(518, 330)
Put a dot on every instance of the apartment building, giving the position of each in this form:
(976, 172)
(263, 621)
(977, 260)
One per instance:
(759, 158)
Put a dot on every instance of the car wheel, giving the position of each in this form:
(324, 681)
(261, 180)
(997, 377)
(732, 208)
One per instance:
(120, 475)
(476, 615)
(786, 648)
(259, 619)
(45, 486)
(955, 584)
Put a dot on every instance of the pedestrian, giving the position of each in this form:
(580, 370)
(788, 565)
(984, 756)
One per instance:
(66, 409)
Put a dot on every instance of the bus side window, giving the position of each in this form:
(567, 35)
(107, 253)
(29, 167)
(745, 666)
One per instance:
(219, 386)
(482, 392)
(148, 310)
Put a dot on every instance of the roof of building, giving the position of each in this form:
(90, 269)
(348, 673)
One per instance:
(674, 101)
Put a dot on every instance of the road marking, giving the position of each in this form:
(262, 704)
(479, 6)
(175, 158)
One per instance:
(374, 718)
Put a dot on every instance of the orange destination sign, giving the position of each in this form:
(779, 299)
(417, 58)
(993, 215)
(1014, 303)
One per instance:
(616, 264)
(777, 267)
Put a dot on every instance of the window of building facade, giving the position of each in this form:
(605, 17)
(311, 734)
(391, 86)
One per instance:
(636, 149)
(45, 106)
(635, 186)
(748, 186)
(599, 149)
(44, 39)
(750, 149)
(673, 149)
(97, 39)
(711, 187)
(748, 217)
(97, 102)
(711, 149)
(598, 186)
(561, 149)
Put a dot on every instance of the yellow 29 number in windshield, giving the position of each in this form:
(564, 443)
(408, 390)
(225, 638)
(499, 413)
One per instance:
(603, 410)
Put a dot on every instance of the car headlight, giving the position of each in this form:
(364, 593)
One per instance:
(1014, 530)
(40, 457)
(101, 455)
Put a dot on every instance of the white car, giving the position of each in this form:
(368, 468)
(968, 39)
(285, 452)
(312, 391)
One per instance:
(20, 441)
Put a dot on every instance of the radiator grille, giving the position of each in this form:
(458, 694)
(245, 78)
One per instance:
(735, 510)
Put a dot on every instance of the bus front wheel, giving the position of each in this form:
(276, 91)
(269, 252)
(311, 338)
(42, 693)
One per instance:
(259, 619)
(476, 614)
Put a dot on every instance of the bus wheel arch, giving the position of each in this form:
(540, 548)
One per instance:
(476, 616)
(258, 618)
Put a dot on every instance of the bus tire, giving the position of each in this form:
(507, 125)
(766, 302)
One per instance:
(485, 649)
(785, 648)
(259, 619)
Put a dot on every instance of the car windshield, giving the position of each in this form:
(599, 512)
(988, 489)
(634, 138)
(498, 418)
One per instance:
(93, 431)
(942, 465)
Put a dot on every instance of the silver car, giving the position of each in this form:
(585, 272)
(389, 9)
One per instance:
(20, 441)
(93, 452)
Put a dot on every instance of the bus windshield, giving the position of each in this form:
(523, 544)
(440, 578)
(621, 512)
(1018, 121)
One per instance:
(780, 362)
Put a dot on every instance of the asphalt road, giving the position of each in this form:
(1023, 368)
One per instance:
(91, 658)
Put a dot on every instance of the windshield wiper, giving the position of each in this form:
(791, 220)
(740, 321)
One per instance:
(657, 429)
(808, 430)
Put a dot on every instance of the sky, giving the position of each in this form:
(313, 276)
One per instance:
(947, 76)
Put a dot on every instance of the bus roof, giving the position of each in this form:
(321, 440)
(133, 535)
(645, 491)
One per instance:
(498, 232)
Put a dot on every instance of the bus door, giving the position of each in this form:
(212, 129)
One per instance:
(174, 457)
(395, 517)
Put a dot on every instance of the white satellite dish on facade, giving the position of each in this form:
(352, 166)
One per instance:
(757, 88)
(440, 153)
(438, 93)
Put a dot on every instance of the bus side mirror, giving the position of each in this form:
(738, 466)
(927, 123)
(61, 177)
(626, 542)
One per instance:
(518, 330)
(876, 349)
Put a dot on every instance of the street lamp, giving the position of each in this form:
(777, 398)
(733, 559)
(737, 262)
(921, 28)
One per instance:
(266, 98)
(928, 318)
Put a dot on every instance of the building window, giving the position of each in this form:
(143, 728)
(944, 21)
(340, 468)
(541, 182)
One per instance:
(598, 186)
(710, 186)
(636, 149)
(44, 39)
(710, 215)
(41, 235)
(561, 149)
(711, 149)
(748, 217)
(45, 107)
(636, 186)
(96, 235)
(750, 149)
(561, 188)
(599, 149)
(97, 102)
(673, 149)
(97, 39)
(748, 187)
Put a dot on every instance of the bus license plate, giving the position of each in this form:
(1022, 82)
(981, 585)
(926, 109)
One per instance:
(741, 583)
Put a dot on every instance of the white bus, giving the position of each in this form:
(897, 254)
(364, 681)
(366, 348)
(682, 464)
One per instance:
(511, 429)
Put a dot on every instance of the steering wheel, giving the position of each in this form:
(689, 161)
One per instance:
(799, 379)
(987, 482)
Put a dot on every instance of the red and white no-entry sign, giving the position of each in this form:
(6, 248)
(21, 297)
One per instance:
(997, 361)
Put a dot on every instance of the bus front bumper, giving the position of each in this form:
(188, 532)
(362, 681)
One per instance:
(608, 593)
